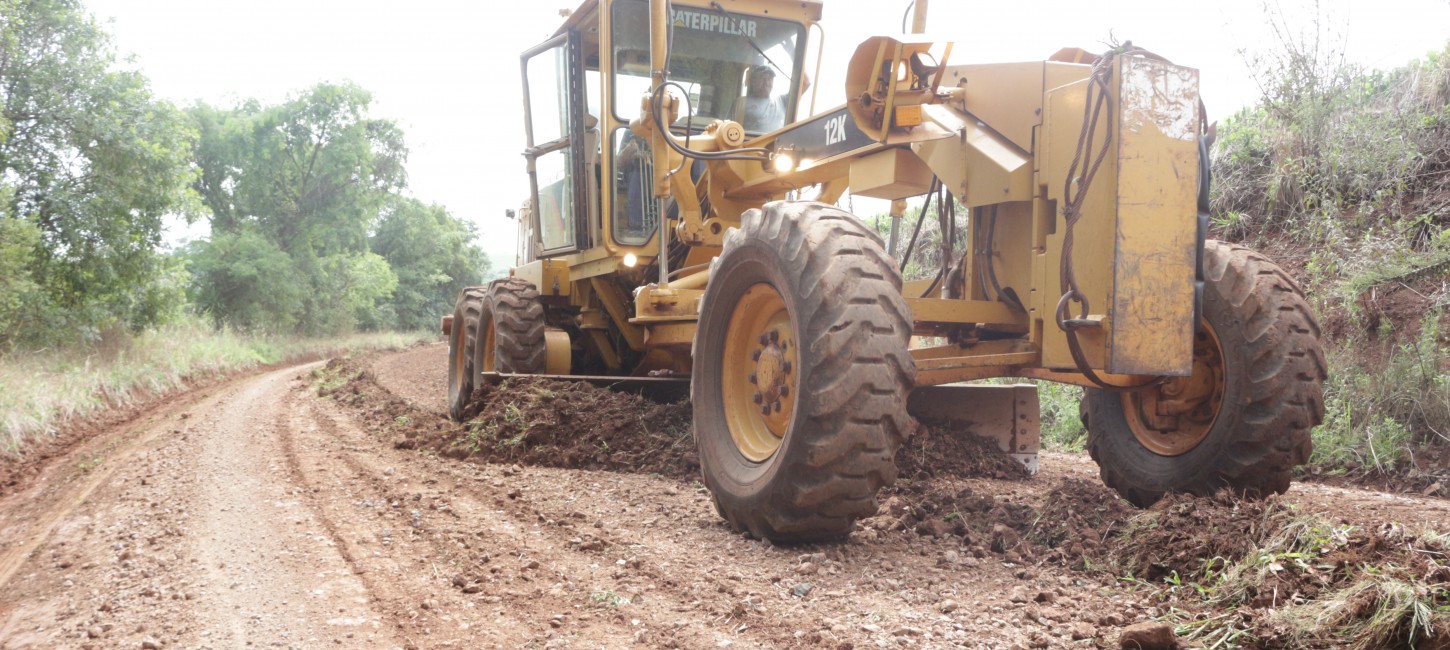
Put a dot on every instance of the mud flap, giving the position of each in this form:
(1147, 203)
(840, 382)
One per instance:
(1007, 415)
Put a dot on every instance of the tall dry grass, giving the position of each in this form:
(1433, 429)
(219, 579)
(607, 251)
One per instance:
(41, 392)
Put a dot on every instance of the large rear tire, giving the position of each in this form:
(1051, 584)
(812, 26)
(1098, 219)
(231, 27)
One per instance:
(1242, 421)
(462, 345)
(801, 373)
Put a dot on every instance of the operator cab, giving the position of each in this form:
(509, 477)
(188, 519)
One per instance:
(590, 177)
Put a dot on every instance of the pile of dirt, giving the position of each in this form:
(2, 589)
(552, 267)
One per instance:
(575, 425)
(1079, 520)
(542, 422)
(1293, 580)
(1181, 532)
(950, 448)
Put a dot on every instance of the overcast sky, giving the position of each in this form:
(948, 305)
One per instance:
(447, 70)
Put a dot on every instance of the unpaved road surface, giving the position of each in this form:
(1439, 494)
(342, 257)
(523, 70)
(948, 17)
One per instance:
(256, 514)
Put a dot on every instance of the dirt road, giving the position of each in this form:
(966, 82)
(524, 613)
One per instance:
(257, 515)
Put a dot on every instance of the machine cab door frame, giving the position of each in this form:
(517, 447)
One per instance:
(554, 105)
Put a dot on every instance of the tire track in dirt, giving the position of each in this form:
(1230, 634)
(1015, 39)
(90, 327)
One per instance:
(273, 576)
(32, 515)
(482, 512)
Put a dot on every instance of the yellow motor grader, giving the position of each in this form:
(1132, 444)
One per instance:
(682, 227)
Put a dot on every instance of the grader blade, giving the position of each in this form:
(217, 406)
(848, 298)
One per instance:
(1007, 415)
(657, 389)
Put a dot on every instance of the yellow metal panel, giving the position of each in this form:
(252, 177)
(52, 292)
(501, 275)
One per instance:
(978, 361)
(1134, 245)
(613, 300)
(1093, 235)
(550, 277)
(940, 310)
(1156, 239)
(908, 115)
(1007, 97)
(558, 352)
(603, 266)
(979, 166)
(892, 174)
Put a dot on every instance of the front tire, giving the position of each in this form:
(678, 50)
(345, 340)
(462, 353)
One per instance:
(462, 346)
(1243, 420)
(801, 373)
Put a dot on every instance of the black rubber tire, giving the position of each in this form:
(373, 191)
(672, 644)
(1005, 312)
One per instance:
(1274, 373)
(462, 344)
(512, 305)
(843, 295)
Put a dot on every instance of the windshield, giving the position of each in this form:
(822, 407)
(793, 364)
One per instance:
(734, 66)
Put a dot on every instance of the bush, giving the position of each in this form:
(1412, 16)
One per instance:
(1372, 416)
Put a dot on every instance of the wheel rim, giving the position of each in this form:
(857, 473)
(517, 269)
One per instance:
(759, 374)
(460, 361)
(489, 360)
(1176, 416)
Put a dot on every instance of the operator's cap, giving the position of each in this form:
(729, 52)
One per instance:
(761, 69)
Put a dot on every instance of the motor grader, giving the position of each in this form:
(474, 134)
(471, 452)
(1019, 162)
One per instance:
(682, 227)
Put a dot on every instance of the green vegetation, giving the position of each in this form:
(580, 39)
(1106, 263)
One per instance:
(1311, 583)
(311, 232)
(1373, 414)
(1344, 173)
(89, 164)
(312, 237)
(44, 392)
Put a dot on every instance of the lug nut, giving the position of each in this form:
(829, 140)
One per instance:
(774, 336)
(764, 339)
(755, 356)
(785, 391)
(786, 366)
(765, 409)
(777, 407)
(758, 398)
(752, 377)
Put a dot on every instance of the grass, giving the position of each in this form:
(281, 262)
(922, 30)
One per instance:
(1376, 416)
(1331, 585)
(41, 392)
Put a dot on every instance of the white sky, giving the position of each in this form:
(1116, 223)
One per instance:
(448, 72)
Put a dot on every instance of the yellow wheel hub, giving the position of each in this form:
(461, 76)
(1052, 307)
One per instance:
(1173, 417)
(460, 360)
(760, 372)
(487, 342)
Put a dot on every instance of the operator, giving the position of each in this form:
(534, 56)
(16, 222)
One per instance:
(762, 112)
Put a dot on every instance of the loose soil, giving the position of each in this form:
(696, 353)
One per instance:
(333, 505)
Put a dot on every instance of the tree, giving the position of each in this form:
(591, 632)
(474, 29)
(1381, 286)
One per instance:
(308, 177)
(434, 257)
(245, 280)
(92, 162)
(19, 241)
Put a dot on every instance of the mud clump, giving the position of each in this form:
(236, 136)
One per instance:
(574, 425)
(950, 448)
(1078, 521)
(1181, 532)
(540, 422)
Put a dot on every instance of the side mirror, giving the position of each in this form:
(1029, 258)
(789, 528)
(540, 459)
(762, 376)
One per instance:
(508, 213)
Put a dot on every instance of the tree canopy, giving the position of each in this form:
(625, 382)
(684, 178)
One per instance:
(307, 194)
(310, 230)
(91, 162)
